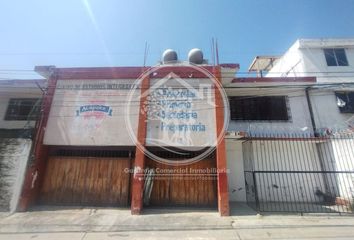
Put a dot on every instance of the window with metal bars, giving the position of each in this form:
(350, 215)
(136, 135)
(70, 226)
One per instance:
(254, 108)
(21, 109)
(180, 154)
(92, 153)
(336, 57)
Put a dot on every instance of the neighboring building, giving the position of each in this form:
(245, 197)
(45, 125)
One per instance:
(305, 153)
(331, 61)
(266, 108)
(19, 109)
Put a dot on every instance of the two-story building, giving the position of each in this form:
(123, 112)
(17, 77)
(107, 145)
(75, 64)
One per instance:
(104, 131)
(331, 61)
(304, 158)
(19, 109)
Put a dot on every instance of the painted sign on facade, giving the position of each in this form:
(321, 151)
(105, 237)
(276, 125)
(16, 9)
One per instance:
(181, 113)
(91, 113)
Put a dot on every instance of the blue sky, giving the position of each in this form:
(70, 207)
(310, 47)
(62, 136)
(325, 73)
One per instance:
(78, 33)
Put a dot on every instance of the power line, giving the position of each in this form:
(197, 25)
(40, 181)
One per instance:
(263, 87)
(169, 66)
(137, 103)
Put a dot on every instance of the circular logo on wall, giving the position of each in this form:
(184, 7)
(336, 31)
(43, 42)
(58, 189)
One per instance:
(178, 103)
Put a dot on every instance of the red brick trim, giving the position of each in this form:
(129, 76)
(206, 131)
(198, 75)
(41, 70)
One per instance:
(139, 162)
(35, 172)
(223, 194)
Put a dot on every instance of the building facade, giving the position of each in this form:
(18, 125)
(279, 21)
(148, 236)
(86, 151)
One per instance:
(20, 102)
(305, 162)
(271, 108)
(86, 152)
(331, 62)
(288, 145)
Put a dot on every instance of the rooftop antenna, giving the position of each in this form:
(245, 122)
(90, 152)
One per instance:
(217, 51)
(212, 51)
(146, 51)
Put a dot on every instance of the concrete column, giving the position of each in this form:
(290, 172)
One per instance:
(223, 195)
(139, 163)
(36, 170)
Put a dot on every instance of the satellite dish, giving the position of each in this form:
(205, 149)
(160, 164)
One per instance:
(169, 55)
(195, 56)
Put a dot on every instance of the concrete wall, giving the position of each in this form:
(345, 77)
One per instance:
(344, 161)
(327, 113)
(14, 154)
(338, 155)
(236, 178)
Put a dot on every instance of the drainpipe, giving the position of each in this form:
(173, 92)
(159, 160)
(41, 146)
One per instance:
(313, 123)
(320, 157)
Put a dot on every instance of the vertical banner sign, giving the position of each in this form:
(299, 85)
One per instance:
(91, 113)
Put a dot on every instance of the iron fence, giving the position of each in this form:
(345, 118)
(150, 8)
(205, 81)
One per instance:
(300, 173)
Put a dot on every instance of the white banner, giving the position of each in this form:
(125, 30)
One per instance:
(91, 113)
(181, 113)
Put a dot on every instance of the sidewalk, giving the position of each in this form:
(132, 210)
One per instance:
(91, 223)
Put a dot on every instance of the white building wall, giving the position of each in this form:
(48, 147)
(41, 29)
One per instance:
(338, 156)
(344, 161)
(306, 58)
(300, 122)
(315, 65)
(326, 112)
(294, 188)
(236, 179)
(312, 62)
(291, 64)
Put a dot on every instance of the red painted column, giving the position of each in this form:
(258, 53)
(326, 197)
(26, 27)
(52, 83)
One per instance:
(223, 195)
(36, 168)
(139, 163)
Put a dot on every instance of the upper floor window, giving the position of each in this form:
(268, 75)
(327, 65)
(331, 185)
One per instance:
(345, 102)
(21, 109)
(270, 108)
(336, 57)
